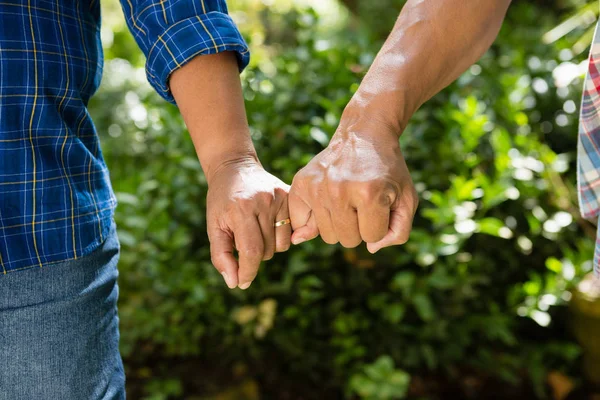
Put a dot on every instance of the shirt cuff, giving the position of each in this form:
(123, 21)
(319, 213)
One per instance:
(209, 33)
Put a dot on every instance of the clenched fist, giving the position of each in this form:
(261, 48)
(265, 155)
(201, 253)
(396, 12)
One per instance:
(357, 189)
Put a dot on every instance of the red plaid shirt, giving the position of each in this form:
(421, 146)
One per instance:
(588, 159)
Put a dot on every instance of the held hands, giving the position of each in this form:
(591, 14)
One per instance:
(357, 189)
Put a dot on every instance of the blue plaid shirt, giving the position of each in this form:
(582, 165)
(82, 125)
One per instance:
(56, 201)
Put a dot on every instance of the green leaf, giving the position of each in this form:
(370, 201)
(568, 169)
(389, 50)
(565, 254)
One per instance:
(440, 279)
(424, 307)
(394, 312)
(494, 227)
(554, 265)
(403, 280)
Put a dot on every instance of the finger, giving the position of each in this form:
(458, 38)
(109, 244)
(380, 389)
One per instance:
(221, 252)
(299, 209)
(373, 222)
(323, 219)
(303, 222)
(268, 235)
(307, 232)
(374, 217)
(283, 234)
(250, 245)
(345, 223)
(399, 230)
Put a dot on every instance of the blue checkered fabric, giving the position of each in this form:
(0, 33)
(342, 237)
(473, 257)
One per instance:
(56, 201)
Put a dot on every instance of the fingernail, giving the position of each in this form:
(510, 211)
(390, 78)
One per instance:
(298, 240)
(245, 285)
(227, 281)
(372, 250)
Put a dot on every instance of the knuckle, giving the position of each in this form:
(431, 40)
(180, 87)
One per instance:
(245, 206)
(266, 198)
(280, 192)
(216, 260)
(351, 243)
(387, 198)
(336, 190)
(370, 191)
(252, 252)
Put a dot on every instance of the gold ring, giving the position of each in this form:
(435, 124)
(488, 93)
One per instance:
(282, 222)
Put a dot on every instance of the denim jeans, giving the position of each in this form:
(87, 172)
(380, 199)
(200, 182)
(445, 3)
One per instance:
(59, 330)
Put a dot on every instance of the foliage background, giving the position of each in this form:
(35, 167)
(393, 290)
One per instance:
(472, 307)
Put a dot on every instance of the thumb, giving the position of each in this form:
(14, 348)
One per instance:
(398, 231)
(221, 254)
(303, 221)
(306, 232)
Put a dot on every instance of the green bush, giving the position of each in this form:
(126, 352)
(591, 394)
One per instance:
(476, 294)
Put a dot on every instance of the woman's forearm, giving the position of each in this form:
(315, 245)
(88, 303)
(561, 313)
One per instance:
(431, 45)
(243, 201)
(209, 95)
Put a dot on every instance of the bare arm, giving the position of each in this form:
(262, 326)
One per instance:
(244, 200)
(359, 188)
(431, 45)
(209, 95)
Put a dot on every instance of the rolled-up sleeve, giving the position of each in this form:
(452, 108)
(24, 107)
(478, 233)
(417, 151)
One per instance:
(172, 32)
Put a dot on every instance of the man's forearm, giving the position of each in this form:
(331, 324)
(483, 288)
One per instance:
(209, 95)
(432, 44)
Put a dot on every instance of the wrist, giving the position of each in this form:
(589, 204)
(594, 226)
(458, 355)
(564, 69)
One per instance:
(365, 119)
(377, 112)
(228, 160)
